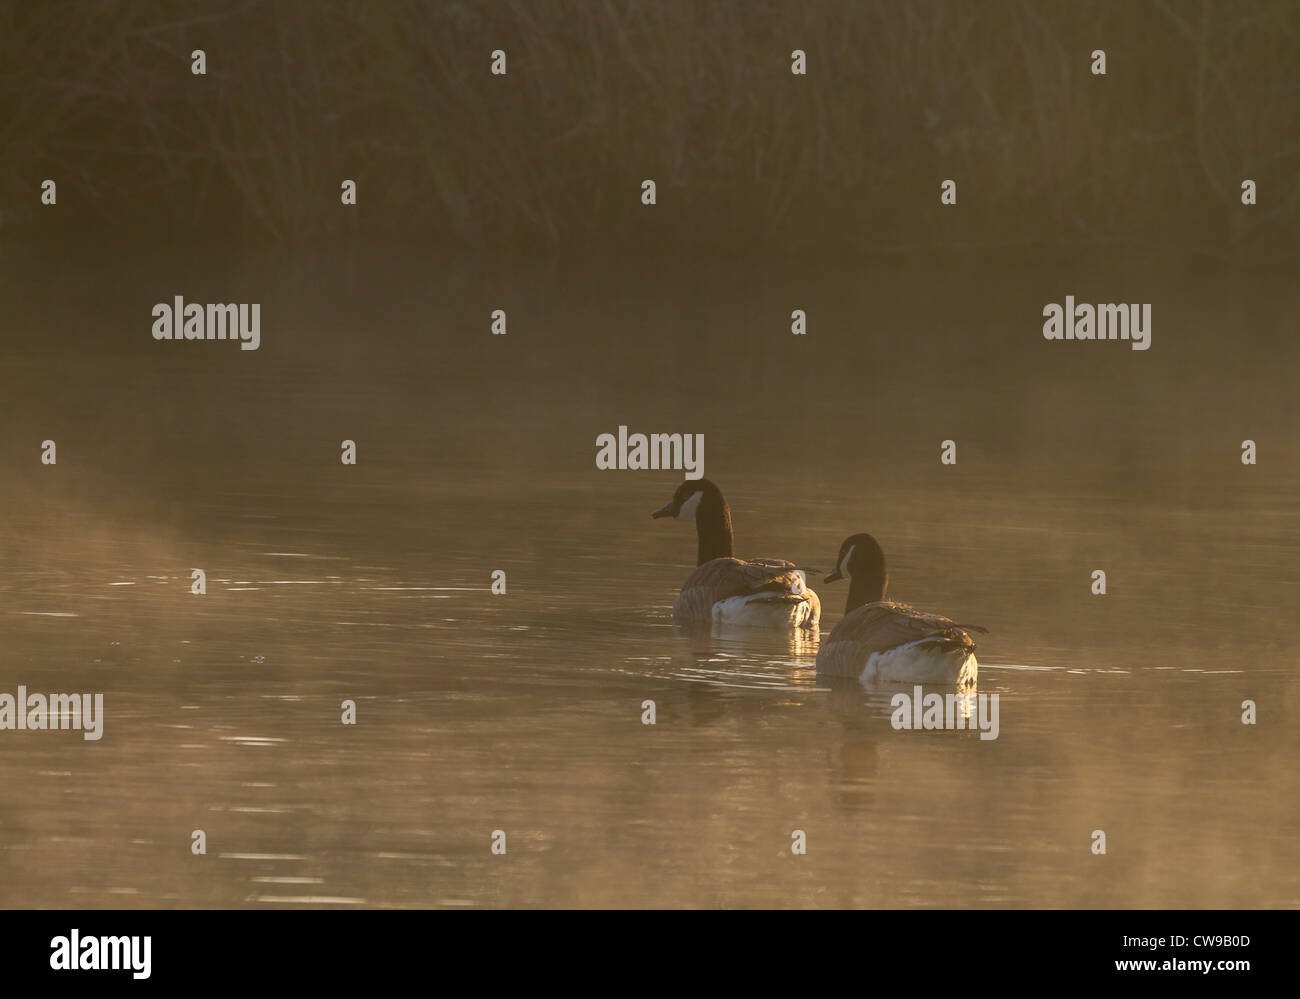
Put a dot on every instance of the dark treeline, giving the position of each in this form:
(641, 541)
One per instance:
(998, 96)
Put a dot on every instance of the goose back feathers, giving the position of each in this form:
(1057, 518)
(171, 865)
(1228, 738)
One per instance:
(756, 592)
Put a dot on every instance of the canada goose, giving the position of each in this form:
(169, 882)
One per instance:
(878, 640)
(730, 591)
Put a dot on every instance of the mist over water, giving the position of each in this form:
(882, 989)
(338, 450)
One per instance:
(522, 712)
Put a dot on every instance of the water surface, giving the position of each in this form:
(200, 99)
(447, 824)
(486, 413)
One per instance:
(523, 712)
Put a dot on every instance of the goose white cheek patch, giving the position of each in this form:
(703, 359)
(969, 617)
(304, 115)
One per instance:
(844, 562)
(687, 510)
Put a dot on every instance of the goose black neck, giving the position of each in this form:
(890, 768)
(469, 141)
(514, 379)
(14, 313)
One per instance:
(867, 588)
(713, 526)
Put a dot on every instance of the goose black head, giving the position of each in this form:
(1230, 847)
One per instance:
(690, 497)
(862, 562)
(701, 501)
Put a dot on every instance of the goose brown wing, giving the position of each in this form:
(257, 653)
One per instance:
(886, 625)
(733, 577)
